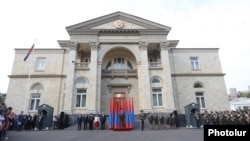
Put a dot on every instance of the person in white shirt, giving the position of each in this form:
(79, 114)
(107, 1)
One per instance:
(96, 121)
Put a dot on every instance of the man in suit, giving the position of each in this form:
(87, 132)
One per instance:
(79, 121)
(103, 121)
(91, 121)
(85, 121)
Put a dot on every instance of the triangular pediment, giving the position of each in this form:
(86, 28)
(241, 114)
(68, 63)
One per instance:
(117, 20)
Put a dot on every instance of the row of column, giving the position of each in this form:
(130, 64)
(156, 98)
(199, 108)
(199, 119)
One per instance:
(144, 92)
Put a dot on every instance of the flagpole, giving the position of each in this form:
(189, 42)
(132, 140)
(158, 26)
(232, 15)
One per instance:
(28, 81)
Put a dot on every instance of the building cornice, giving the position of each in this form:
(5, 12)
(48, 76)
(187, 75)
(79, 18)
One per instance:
(40, 51)
(195, 74)
(38, 76)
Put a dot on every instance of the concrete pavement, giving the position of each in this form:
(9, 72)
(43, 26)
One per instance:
(72, 134)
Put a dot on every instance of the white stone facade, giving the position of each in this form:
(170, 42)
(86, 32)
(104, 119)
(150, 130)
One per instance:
(117, 54)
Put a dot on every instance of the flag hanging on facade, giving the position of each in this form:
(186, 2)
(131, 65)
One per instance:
(30, 50)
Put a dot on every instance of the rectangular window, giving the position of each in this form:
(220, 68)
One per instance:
(40, 63)
(194, 63)
(34, 101)
(157, 97)
(80, 98)
(200, 100)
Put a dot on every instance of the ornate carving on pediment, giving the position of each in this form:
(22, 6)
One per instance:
(119, 24)
(94, 45)
(143, 45)
(73, 45)
(164, 45)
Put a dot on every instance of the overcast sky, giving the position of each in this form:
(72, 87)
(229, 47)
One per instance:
(223, 24)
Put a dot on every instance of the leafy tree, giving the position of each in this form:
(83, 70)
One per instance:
(1, 99)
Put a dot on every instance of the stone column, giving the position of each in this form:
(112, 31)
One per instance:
(92, 91)
(69, 91)
(145, 102)
(167, 89)
(98, 86)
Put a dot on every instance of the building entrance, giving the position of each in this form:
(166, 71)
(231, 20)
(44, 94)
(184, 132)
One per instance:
(121, 112)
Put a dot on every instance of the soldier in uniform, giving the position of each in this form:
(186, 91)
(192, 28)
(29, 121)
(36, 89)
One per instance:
(174, 121)
(162, 120)
(167, 119)
(205, 119)
(142, 118)
(151, 120)
(197, 119)
(156, 120)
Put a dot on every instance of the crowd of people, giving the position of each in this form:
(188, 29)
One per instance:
(91, 121)
(6, 116)
(11, 121)
(226, 117)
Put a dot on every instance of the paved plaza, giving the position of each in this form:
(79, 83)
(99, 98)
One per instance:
(180, 134)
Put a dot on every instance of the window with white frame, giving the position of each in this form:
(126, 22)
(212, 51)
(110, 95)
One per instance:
(34, 101)
(194, 63)
(40, 63)
(157, 97)
(200, 100)
(80, 98)
(119, 63)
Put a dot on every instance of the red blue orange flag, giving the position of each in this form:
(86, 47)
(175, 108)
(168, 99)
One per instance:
(30, 50)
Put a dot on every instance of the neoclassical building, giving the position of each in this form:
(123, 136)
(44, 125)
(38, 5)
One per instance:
(117, 55)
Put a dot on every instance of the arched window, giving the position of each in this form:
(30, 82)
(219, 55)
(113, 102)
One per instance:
(197, 85)
(108, 66)
(81, 91)
(37, 86)
(81, 81)
(35, 96)
(129, 65)
(156, 91)
(155, 80)
(119, 63)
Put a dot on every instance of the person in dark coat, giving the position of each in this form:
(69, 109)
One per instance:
(79, 122)
(91, 121)
(103, 121)
(85, 122)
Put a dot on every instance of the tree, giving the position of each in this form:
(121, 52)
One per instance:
(1, 99)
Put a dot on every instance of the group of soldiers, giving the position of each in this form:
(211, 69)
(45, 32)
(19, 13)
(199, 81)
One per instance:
(161, 121)
(226, 117)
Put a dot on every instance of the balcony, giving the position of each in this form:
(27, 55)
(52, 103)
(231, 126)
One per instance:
(154, 65)
(82, 66)
(119, 73)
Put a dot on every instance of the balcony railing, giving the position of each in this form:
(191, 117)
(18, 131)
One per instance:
(82, 65)
(154, 65)
(119, 72)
